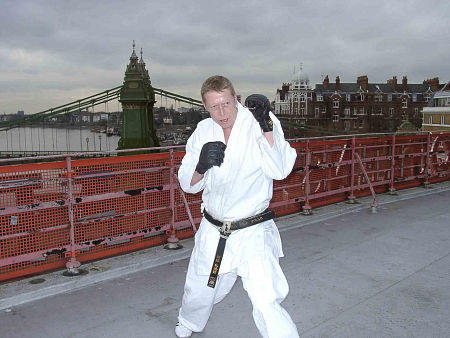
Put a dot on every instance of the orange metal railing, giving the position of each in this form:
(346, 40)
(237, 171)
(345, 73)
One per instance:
(61, 211)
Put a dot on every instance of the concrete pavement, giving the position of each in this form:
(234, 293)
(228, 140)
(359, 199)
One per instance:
(352, 273)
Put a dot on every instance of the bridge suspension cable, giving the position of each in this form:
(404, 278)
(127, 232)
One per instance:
(92, 100)
(95, 99)
(178, 97)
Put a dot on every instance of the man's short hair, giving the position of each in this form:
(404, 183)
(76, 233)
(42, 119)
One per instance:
(216, 83)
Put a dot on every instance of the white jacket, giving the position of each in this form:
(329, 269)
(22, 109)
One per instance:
(242, 186)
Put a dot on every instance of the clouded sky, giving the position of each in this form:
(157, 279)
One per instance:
(53, 52)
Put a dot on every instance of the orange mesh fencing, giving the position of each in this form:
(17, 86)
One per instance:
(89, 208)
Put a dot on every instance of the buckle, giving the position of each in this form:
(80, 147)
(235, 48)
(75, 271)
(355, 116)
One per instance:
(225, 228)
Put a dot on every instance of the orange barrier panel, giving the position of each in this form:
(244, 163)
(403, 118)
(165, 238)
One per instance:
(56, 213)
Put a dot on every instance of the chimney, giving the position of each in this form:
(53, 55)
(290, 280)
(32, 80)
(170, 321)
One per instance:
(326, 82)
(284, 90)
(405, 83)
(363, 81)
(393, 82)
(338, 83)
(433, 83)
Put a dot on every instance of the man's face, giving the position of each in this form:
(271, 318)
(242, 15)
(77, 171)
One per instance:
(222, 107)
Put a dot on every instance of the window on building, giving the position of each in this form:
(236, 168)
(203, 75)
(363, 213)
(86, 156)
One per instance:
(361, 111)
(430, 119)
(295, 98)
(448, 101)
(391, 111)
(347, 111)
(324, 110)
(404, 103)
(442, 119)
(427, 97)
(335, 118)
(416, 110)
(414, 97)
(316, 112)
(389, 98)
(335, 103)
(302, 112)
(361, 97)
(319, 97)
(347, 125)
(378, 98)
(348, 97)
(380, 110)
(302, 98)
(361, 123)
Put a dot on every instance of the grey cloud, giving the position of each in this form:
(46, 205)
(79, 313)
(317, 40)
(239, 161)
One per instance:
(255, 43)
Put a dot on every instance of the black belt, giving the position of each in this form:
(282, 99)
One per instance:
(225, 229)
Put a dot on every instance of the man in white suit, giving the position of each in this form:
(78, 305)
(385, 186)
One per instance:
(234, 156)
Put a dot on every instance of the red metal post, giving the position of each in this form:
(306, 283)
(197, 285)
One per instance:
(72, 265)
(391, 184)
(428, 161)
(351, 197)
(172, 240)
(307, 206)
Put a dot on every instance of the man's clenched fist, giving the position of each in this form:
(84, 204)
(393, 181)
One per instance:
(259, 105)
(212, 154)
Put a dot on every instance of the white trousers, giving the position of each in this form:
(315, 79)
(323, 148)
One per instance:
(265, 292)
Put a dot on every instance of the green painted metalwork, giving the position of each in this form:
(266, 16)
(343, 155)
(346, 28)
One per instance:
(137, 98)
(177, 97)
(74, 106)
(88, 102)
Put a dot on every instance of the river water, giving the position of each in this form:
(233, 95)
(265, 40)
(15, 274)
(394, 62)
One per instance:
(55, 139)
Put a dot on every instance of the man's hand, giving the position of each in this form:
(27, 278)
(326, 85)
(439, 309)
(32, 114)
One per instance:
(212, 154)
(259, 105)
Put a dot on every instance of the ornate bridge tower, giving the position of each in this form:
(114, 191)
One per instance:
(137, 98)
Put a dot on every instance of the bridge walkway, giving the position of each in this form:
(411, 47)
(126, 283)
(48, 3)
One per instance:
(352, 273)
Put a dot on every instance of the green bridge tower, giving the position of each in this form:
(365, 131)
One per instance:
(138, 98)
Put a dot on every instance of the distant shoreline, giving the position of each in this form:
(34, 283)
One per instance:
(62, 126)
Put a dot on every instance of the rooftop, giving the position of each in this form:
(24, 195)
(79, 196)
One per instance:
(352, 273)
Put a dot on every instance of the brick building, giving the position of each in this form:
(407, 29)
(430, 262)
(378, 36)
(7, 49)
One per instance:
(358, 107)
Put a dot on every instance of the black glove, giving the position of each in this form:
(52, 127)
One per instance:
(212, 154)
(259, 105)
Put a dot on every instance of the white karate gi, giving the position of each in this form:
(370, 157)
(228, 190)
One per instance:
(241, 187)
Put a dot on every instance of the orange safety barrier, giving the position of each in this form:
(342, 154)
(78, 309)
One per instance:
(60, 211)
